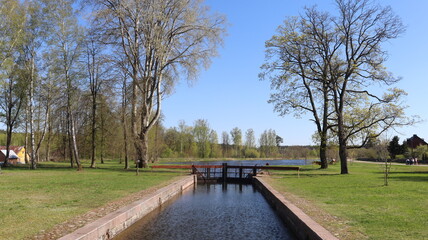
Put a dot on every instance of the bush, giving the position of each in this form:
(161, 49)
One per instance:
(251, 153)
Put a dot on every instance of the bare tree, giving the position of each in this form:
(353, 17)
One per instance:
(98, 68)
(12, 92)
(327, 65)
(297, 64)
(362, 27)
(65, 48)
(160, 39)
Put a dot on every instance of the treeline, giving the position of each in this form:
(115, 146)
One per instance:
(200, 141)
(87, 78)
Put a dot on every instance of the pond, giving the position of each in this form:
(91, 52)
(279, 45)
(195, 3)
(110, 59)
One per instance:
(212, 211)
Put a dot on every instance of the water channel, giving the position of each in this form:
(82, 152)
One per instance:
(212, 211)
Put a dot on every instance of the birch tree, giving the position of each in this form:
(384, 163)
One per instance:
(163, 41)
(65, 49)
(12, 70)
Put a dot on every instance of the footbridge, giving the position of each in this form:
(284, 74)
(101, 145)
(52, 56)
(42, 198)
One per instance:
(227, 173)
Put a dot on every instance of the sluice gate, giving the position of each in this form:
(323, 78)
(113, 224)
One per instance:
(226, 173)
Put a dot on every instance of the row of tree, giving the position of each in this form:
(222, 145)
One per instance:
(330, 66)
(76, 72)
(201, 141)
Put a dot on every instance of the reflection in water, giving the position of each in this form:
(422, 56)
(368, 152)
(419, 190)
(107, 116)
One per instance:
(212, 211)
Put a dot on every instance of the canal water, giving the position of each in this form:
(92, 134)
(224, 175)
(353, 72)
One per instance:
(212, 211)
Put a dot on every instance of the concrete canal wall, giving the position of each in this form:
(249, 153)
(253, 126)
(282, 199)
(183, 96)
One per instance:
(113, 223)
(295, 219)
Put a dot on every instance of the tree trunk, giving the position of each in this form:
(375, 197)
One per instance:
(26, 138)
(343, 153)
(8, 141)
(142, 148)
(75, 152)
(31, 118)
(94, 131)
(134, 129)
(323, 151)
(70, 141)
(125, 135)
(102, 135)
(48, 142)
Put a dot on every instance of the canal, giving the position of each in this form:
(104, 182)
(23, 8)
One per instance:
(212, 211)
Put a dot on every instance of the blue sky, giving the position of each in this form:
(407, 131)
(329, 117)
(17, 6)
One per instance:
(229, 93)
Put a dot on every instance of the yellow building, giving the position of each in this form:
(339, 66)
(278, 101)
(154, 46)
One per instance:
(19, 151)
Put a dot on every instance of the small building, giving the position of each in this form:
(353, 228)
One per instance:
(13, 157)
(415, 142)
(19, 152)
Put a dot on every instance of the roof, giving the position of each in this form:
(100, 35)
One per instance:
(12, 154)
(13, 148)
(415, 141)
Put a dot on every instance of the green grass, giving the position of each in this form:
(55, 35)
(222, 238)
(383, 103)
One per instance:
(362, 202)
(35, 200)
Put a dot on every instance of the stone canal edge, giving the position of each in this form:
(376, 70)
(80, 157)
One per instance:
(303, 226)
(112, 224)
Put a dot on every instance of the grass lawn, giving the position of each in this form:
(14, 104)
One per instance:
(358, 205)
(36, 200)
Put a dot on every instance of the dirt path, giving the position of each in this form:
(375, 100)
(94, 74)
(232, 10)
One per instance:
(79, 221)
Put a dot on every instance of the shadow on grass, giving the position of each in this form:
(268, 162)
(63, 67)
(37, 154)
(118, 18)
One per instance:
(108, 167)
(416, 176)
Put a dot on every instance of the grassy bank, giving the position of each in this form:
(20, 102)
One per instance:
(358, 205)
(36, 200)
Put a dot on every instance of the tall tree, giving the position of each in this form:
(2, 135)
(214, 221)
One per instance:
(124, 104)
(12, 65)
(326, 65)
(65, 43)
(98, 66)
(297, 66)
(225, 143)
(394, 147)
(236, 135)
(250, 139)
(160, 40)
(202, 134)
(363, 27)
(35, 35)
(268, 144)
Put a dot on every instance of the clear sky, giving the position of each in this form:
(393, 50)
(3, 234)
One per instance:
(229, 94)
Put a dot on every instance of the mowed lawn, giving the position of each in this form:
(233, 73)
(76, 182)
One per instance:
(358, 205)
(36, 200)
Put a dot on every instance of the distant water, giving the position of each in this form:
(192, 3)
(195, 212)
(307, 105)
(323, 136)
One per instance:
(250, 162)
(212, 211)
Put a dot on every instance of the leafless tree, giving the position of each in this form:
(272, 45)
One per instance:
(363, 27)
(161, 40)
(328, 64)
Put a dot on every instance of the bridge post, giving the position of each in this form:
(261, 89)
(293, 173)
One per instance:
(254, 171)
(240, 173)
(224, 172)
